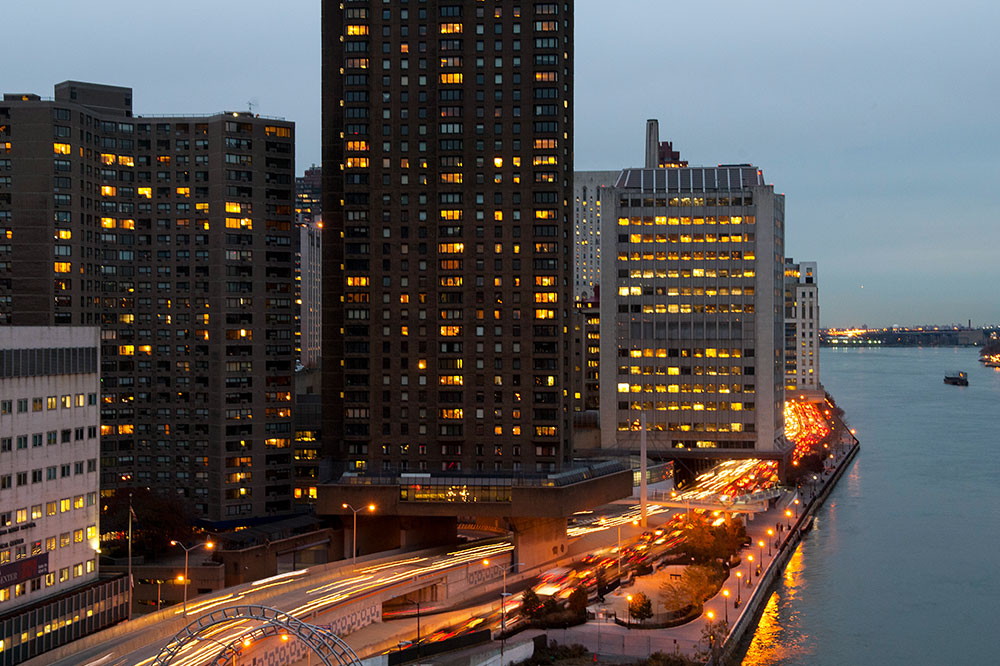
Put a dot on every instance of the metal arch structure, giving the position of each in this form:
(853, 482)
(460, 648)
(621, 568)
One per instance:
(326, 645)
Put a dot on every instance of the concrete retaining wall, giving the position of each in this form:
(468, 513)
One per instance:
(743, 630)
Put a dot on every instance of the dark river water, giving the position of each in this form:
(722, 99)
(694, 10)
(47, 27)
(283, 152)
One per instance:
(902, 565)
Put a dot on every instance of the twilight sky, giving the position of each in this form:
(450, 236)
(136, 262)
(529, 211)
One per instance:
(877, 118)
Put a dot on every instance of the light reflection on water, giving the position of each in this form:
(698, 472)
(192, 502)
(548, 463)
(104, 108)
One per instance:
(897, 569)
(773, 643)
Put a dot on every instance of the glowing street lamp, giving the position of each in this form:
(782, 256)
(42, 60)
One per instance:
(725, 593)
(749, 569)
(770, 538)
(184, 579)
(739, 584)
(761, 559)
(354, 531)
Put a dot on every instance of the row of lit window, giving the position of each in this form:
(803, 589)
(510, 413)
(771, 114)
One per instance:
(688, 308)
(711, 370)
(686, 273)
(686, 291)
(689, 238)
(664, 220)
(51, 402)
(626, 387)
(682, 427)
(674, 405)
(64, 505)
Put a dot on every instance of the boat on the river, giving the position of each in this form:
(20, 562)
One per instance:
(957, 378)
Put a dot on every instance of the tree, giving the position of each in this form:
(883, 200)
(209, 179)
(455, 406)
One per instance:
(550, 606)
(531, 605)
(578, 600)
(697, 583)
(640, 607)
(159, 518)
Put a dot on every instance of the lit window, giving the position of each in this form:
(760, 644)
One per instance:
(61, 148)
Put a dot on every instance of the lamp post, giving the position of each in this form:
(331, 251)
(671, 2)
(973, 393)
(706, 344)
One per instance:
(417, 604)
(760, 560)
(749, 569)
(354, 530)
(629, 599)
(187, 549)
(710, 616)
(770, 538)
(788, 518)
(739, 584)
(504, 568)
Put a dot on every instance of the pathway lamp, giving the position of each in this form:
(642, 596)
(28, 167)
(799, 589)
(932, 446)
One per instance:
(629, 599)
(749, 570)
(354, 547)
(770, 539)
(739, 583)
(725, 593)
(760, 560)
(184, 579)
(788, 518)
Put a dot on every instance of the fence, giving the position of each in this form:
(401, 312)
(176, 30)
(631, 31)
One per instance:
(631, 644)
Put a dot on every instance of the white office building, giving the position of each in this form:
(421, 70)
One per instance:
(49, 481)
(801, 326)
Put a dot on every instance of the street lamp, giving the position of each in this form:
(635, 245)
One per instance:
(770, 538)
(761, 560)
(629, 598)
(788, 518)
(725, 593)
(417, 604)
(749, 569)
(504, 568)
(354, 531)
(739, 583)
(184, 579)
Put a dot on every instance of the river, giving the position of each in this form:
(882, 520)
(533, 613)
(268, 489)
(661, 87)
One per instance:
(901, 566)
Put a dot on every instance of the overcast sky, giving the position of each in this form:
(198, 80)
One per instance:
(877, 118)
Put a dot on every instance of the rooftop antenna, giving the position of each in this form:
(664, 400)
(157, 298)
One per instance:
(252, 103)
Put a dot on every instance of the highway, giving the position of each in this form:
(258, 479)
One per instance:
(306, 595)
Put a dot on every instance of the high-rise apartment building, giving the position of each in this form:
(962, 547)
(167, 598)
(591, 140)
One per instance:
(309, 291)
(801, 326)
(447, 209)
(308, 196)
(175, 236)
(692, 311)
(589, 189)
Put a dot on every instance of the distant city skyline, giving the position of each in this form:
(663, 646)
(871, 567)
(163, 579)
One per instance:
(875, 120)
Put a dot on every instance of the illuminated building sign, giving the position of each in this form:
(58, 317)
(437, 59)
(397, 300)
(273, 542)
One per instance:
(24, 569)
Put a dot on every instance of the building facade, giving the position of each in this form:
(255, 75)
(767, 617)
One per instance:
(801, 326)
(447, 204)
(309, 291)
(589, 190)
(49, 490)
(692, 312)
(175, 235)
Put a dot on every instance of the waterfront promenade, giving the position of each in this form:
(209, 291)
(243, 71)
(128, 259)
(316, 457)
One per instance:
(604, 637)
